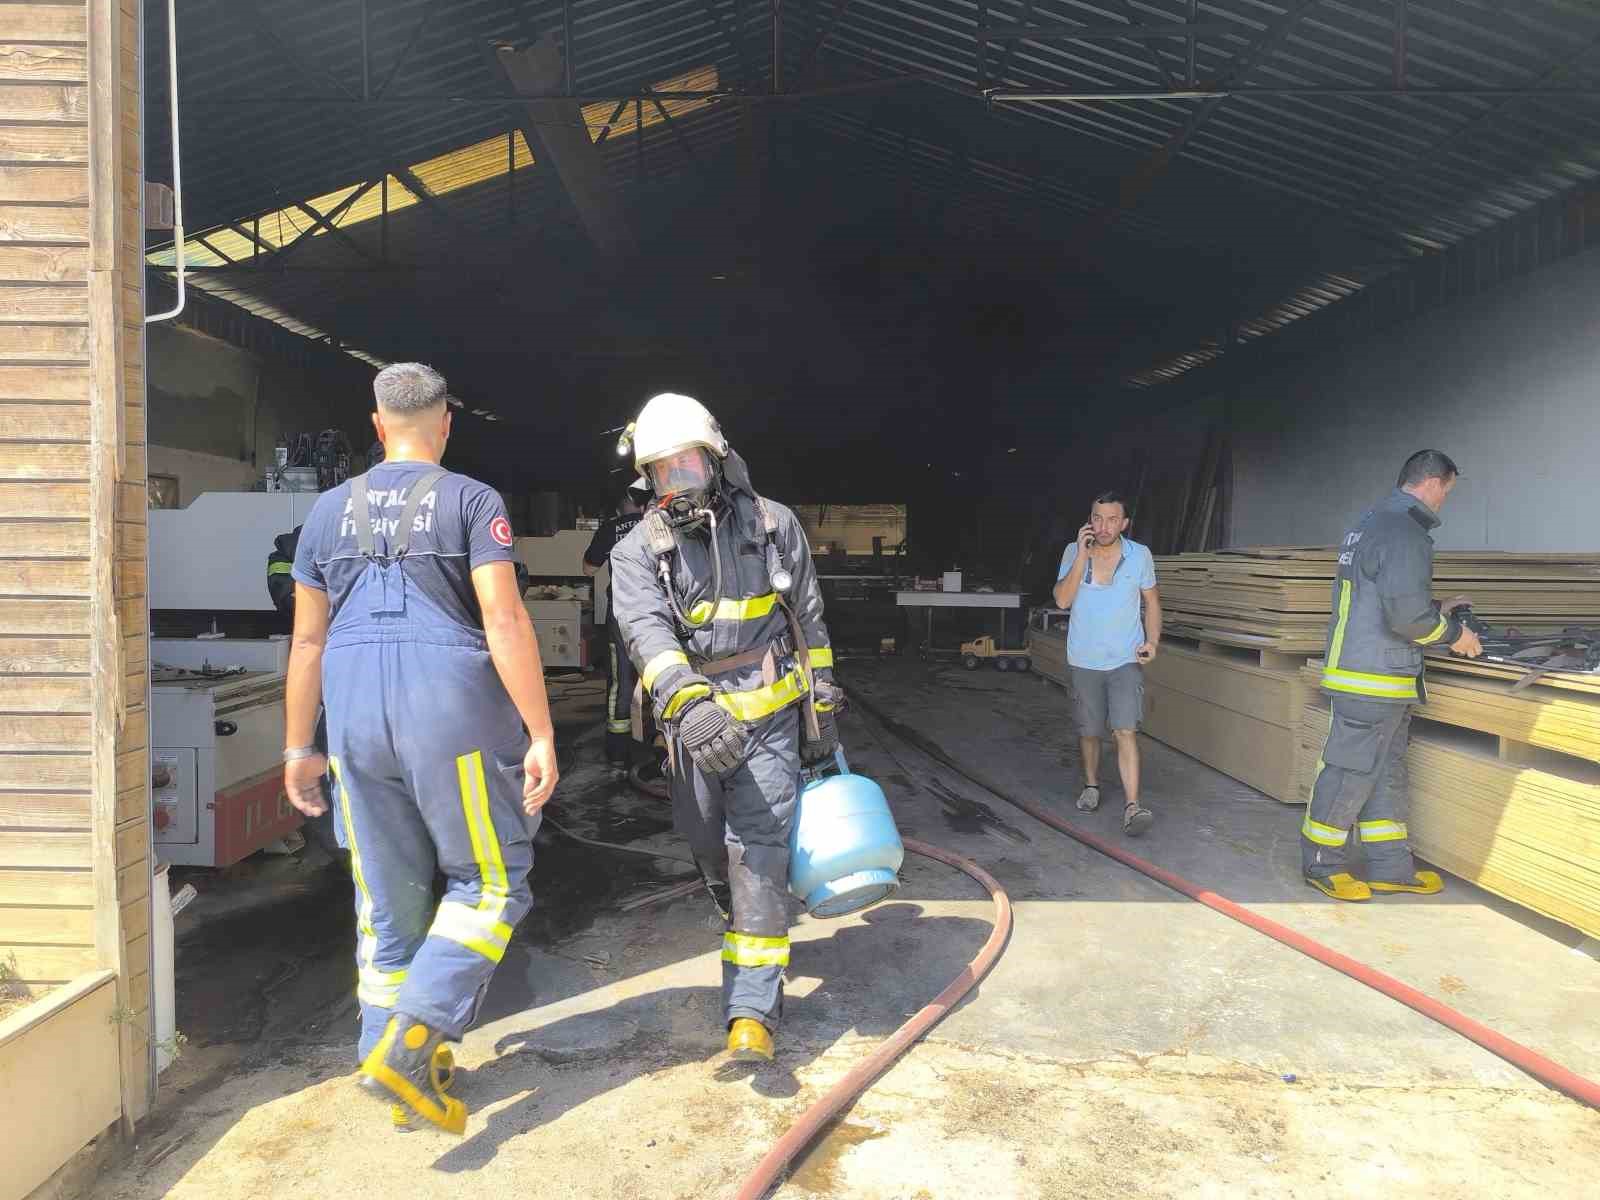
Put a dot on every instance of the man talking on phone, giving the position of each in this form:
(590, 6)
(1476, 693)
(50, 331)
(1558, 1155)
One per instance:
(1108, 581)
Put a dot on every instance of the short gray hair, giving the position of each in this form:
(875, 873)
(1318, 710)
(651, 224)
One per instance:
(409, 388)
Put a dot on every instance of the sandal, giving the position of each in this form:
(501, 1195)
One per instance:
(1086, 801)
(1136, 820)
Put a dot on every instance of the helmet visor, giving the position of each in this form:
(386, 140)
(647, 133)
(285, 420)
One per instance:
(685, 471)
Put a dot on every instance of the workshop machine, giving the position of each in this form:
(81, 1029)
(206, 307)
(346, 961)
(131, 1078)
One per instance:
(216, 694)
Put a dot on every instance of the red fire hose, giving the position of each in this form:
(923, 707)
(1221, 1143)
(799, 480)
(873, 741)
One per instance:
(770, 1169)
(1541, 1068)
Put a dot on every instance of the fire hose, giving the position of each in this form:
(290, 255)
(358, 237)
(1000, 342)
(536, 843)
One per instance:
(1550, 1073)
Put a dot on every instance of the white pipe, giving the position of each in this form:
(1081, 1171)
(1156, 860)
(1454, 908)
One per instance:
(177, 173)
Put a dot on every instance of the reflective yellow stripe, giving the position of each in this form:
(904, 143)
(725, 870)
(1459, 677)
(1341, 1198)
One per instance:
(1388, 687)
(824, 706)
(477, 929)
(681, 697)
(1383, 831)
(764, 701)
(1321, 765)
(747, 950)
(366, 935)
(734, 610)
(280, 568)
(1323, 835)
(379, 988)
(1337, 644)
(822, 658)
(619, 726)
(658, 664)
(1438, 632)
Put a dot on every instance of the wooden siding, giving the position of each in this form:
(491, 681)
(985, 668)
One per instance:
(74, 771)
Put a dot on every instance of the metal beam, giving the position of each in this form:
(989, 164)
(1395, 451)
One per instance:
(1015, 96)
(1400, 20)
(283, 253)
(405, 53)
(808, 64)
(1134, 186)
(555, 130)
(1011, 46)
(747, 74)
(777, 46)
(683, 142)
(1108, 33)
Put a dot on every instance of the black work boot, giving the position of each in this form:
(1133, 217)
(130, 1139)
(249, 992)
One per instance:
(407, 1063)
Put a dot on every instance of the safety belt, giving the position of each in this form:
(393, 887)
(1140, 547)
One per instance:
(361, 512)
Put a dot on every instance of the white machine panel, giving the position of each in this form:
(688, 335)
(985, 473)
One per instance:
(174, 797)
(212, 556)
(560, 643)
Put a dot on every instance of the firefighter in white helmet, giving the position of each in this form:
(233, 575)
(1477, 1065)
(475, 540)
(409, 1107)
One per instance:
(719, 607)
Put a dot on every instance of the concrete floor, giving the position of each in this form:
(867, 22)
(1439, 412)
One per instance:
(1130, 1042)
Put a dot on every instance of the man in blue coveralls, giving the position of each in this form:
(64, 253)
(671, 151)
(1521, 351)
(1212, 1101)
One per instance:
(409, 622)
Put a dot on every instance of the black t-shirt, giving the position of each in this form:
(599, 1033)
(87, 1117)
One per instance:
(612, 530)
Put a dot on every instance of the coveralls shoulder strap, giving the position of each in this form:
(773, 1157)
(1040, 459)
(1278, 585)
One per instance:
(362, 513)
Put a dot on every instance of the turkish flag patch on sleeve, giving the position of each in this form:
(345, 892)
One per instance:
(500, 530)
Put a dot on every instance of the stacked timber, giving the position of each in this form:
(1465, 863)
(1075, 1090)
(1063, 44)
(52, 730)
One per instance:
(1229, 709)
(1048, 651)
(1504, 784)
(1278, 598)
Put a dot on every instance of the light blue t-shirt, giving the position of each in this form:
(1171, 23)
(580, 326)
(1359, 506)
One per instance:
(1107, 624)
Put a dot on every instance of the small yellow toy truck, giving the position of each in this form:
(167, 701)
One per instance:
(974, 654)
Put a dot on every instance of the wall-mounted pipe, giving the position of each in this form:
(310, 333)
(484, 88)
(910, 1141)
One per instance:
(177, 173)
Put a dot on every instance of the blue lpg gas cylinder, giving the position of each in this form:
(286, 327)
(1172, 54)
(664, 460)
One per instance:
(845, 851)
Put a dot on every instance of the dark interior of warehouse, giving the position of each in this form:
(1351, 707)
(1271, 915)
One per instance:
(891, 282)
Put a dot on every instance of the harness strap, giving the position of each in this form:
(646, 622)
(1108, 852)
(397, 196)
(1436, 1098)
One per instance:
(362, 512)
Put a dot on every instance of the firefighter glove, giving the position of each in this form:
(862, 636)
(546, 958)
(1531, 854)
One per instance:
(715, 741)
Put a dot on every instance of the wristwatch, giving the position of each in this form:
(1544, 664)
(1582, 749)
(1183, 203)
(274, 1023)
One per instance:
(294, 754)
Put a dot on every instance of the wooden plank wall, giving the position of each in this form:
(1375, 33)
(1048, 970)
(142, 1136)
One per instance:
(74, 857)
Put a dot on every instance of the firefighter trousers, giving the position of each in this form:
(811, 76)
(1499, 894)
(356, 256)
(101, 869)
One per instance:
(1360, 794)
(738, 829)
(621, 679)
(426, 753)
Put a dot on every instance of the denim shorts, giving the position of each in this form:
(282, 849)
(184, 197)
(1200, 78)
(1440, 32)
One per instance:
(1108, 699)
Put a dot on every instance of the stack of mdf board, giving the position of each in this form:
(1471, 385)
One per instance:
(1048, 649)
(1278, 598)
(1229, 711)
(1504, 786)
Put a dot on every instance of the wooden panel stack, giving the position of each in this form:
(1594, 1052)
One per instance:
(1278, 598)
(1228, 708)
(74, 776)
(1048, 648)
(1505, 785)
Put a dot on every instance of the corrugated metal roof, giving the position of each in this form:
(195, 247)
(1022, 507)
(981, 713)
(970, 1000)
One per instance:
(1322, 193)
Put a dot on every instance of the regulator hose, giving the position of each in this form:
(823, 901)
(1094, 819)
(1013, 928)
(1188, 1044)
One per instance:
(841, 1095)
(1550, 1073)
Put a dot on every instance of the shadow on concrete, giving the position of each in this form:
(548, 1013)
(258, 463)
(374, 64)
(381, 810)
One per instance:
(868, 979)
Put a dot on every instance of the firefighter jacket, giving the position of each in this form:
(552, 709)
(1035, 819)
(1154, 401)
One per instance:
(678, 664)
(280, 583)
(1384, 612)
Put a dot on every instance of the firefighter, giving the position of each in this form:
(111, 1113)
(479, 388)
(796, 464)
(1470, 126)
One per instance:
(409, 622)
(1384, 614)
(718, 604)
(620, 677)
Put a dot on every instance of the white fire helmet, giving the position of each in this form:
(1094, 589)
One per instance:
(670, 424)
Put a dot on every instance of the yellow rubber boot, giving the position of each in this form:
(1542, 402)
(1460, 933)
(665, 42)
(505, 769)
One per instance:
(749, 1041)
(1427, 883)
(1341, 887)
(406, 1062)
(444, 1074)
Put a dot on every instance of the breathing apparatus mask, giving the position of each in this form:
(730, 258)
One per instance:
(687, 485)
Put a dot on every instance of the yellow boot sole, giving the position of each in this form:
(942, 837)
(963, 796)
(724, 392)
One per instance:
(1428, 884)
(1341, 887)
